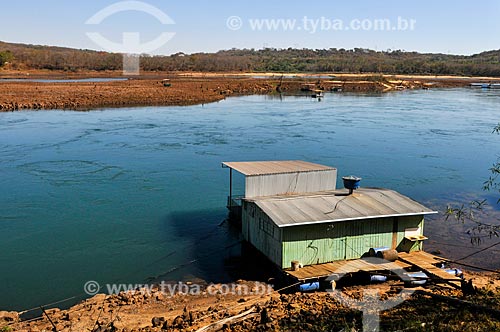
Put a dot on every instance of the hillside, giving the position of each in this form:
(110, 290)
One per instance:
(276, 60)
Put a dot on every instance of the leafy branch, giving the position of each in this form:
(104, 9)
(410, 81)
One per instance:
(492, 183)
(474, 212)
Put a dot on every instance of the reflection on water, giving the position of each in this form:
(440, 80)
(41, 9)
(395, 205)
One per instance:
(450, 237)
(131, 195)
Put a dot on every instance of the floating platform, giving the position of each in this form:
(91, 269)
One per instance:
(418, 260)
(320, 271)
(426, 262)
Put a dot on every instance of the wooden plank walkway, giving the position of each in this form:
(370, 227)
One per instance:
(419, 259)
(343, 267)
(425, 262)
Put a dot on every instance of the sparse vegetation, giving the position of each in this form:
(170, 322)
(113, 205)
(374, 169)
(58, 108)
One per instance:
(5, 57)
(357, 60)
(377, 78)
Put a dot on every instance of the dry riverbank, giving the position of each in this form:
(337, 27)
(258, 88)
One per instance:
(185, 89)
(434, 308)
(134, 92)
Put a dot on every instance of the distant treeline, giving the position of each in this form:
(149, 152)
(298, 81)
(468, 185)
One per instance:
(276, 60)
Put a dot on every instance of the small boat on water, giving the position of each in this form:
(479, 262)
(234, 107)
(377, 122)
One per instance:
(317, 94)
(485, 85)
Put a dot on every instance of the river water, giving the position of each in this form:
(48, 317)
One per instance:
(123, 195)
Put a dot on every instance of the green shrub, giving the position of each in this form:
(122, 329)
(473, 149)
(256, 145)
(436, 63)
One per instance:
(6, 56)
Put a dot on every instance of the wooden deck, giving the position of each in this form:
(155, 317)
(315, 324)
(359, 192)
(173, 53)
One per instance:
(425, 262)
(419, 260)
(343, 267)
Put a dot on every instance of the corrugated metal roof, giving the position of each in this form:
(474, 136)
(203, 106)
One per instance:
(337, 206)
(250, 168)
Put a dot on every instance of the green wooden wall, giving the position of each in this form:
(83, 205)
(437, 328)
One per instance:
(261, 232)
(321, 243)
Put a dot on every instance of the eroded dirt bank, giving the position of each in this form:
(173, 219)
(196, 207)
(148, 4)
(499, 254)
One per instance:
(433, 308)
(185, 89)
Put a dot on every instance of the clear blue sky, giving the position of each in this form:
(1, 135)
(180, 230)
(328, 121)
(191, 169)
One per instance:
(459, 27)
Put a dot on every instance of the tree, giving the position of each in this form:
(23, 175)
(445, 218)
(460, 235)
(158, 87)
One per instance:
(6, 56)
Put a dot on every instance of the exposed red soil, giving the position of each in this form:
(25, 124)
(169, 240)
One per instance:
(185, 89)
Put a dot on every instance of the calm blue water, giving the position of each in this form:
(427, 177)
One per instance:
(122, 195)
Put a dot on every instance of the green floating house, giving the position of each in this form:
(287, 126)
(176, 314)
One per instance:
(292, 212)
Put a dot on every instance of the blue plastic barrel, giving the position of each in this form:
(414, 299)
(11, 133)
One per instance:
(309, 287)
(351, 182)
(378, 278)
(454, 272)
(374, 251)
(420, 278)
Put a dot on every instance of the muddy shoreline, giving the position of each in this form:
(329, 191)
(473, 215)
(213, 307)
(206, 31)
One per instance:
(187, 88)
(440, 308)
